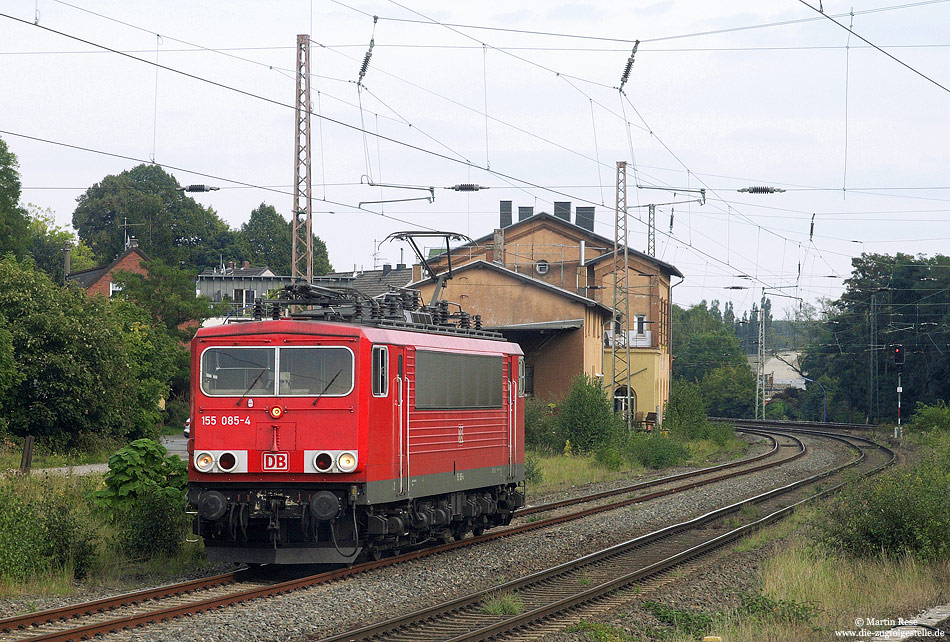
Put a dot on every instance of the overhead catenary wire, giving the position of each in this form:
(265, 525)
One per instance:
(539, 187)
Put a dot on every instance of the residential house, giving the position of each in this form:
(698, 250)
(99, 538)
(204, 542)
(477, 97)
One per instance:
(98, 281)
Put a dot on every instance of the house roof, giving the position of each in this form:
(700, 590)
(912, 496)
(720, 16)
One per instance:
(87, 278)
(372, 283)
(482, 264)
(544, 216)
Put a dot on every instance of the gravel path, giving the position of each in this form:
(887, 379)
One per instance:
(379, 595)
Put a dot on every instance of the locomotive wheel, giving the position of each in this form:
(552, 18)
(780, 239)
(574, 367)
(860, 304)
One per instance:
(478, 530)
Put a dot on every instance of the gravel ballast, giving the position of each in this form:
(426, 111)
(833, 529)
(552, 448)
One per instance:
(378, 595)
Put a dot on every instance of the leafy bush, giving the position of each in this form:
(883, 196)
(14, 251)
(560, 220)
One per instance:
(45, 525)
(152, 526)
(935, 417)
(655, 451)
(542, 431)
(138, 468)
(586, 416)
(905, 512)
(532, 470)
(685, 413)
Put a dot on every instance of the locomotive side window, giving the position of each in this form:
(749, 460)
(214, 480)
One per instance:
(325, 371)
(451, 380)
(380, 371)
(521, 392)
(237, 371)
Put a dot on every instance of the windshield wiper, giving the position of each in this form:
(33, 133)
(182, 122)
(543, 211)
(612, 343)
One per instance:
(327, 387)
(253, 383)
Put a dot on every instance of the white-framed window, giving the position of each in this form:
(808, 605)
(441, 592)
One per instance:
(380, 371)
(542, 266)
(640, 322)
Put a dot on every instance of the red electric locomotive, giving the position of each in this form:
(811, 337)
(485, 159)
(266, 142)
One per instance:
(351, 428)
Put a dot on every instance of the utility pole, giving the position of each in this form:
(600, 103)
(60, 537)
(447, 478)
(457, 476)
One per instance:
(620, 361)
(760, 386)
(651, 231)
(872, 359)
(301, 260)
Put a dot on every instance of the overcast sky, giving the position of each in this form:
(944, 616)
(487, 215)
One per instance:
(721, 95)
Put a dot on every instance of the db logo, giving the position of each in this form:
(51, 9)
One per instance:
(275, 461)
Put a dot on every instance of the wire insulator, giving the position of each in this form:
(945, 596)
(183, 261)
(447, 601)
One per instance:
(366, 59)
(762, 189)
(626, 70)
(467, 187)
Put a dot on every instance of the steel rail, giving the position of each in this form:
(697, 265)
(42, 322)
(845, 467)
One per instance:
(279, 588)
(529, 510)
(613, 585)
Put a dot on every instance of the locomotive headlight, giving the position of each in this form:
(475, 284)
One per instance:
(276, 412)
(227, 462)
(204, 461)
(346, 462)
(323, 462)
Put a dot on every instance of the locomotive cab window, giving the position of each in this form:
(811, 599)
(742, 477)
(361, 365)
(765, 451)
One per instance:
(452, 380)
(238, 371)
(266, 372)
(324, 371)
(380, 371)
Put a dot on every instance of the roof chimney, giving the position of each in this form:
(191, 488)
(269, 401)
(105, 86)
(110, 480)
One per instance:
(498, 247)
(387, 268)
(562, 209)
(400, 266)
(505, 214)
(132, 242)
(525, 212)
(585, 218)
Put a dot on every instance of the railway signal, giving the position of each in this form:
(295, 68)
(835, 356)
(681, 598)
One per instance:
(898, 355)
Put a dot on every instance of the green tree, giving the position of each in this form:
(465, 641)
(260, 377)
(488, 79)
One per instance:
(586, 416)
(13, 219)
(168, 294)
(47, 245)
(905, 295)
(729, 391)
(170, 225)
(266, 239)
(70, 351)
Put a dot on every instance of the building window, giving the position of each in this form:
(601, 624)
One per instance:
(641, 325)
(542, 267)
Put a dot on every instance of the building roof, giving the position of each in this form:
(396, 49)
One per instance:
(87, 278)
(544, 216)
(482, 264)
(567, 324)
(372, 283)
(238, 272)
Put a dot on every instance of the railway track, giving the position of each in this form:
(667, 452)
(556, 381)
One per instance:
(560, 591)
(157, 605)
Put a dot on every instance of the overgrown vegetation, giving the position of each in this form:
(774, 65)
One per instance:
(74, 527)
(902, 513)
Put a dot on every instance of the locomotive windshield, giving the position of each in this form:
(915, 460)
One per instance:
(267, 372)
